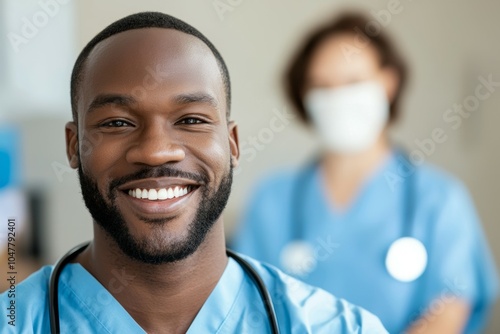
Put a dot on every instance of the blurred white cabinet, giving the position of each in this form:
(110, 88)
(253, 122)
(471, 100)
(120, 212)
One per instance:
(37, 51)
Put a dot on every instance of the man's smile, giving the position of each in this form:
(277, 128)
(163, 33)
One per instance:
(159, 189)
(160, 194)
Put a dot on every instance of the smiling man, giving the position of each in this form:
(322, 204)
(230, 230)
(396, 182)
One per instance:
(154, 147)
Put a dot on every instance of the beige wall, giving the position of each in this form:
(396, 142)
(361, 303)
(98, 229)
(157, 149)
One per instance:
(449, 43)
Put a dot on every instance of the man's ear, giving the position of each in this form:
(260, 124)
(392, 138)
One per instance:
(72, 144)
(234, 144)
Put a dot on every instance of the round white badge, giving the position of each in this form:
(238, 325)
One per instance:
(406, 259)
(297, 258)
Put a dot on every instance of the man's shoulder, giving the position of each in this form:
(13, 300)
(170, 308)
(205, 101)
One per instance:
(311, 308)
(26, 301)
(33, 288)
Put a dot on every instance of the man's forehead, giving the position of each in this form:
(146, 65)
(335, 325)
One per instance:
(143, 46)
(166, 39)
(142, 58)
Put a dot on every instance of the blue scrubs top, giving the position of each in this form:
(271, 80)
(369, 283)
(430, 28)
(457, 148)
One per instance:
(350, 246)
(234, 306)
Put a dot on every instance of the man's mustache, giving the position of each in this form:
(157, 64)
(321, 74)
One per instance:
(156, 172)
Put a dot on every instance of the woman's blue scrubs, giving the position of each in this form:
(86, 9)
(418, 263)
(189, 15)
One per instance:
(350, 246)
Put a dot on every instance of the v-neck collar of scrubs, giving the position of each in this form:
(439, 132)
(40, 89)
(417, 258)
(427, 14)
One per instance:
(319, 194)
(218, 306)
(77, 286)
(102, 309)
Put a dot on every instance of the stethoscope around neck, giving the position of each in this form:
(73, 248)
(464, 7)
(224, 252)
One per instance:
(406, 258)
(73, 253)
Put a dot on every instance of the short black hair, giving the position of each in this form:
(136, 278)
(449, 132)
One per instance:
(350, 23)
(140, 21)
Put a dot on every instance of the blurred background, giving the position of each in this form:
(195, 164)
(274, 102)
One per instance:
(449, 44)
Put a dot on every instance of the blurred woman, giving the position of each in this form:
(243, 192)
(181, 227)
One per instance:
(365, 220)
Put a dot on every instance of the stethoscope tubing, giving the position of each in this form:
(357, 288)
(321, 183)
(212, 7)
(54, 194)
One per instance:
(71, 255)
(54, 285)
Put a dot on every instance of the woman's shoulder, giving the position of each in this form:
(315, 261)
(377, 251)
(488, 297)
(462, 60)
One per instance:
(426, 176)
(432, 178)
(445, 202)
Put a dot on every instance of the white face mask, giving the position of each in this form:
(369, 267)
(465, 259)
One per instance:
(349, 119)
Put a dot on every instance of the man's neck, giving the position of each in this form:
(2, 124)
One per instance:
(161, 298)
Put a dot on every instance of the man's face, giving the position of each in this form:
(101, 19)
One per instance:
(153, 148)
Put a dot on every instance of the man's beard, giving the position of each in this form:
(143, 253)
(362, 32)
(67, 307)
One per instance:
(155, 249)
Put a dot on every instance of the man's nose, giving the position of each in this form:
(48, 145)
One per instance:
(156, 146)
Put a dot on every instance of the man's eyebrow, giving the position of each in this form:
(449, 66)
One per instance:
(111, 99)
(196, 98)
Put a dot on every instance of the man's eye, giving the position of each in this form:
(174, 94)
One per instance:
(191, 120)
(115, 124)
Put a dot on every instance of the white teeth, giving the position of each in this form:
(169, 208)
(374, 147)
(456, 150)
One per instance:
(153, 195)
(162, 194)
(159, 194)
